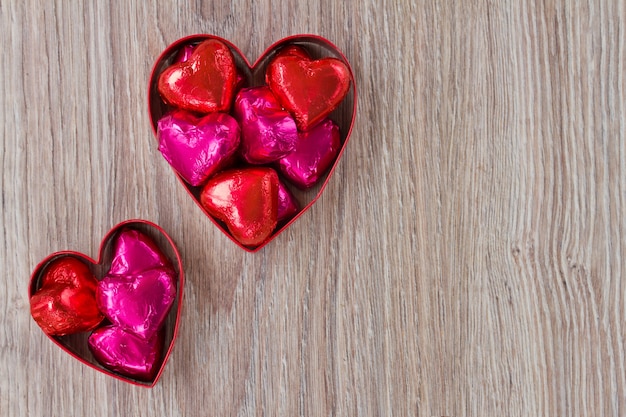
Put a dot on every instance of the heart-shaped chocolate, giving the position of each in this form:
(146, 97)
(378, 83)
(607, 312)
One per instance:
(315, 151)
(154, 253)
(66, 301)
(137, 303)
(203, 83)
(198, 147)
(127, 353)
(139, 289)
(308, 89)
(267, 131)
(246, 200)
(300, 46)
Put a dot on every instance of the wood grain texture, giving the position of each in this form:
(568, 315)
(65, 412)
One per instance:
(465, 260)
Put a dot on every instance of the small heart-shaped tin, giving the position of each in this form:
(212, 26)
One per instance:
(253, 75)
(76, 344)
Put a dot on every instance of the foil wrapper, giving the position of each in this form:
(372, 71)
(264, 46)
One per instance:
(135, 252)
(316, 151)
(138, 303)
(65, 303)
(126, 353)
(268, 132)
(184, 54)
(287, 204)
(136, 296)
(246, 200)
(309, 89)
(204, 83)
(197, 147)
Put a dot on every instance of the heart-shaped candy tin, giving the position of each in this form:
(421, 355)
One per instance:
(138, 274)
(177, 65)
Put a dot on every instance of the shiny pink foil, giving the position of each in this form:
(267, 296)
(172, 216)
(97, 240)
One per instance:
(268, 132)
(184, 54)
(315, 152)
(287, 203)
(126, 353)
(140, 288)
(135, 252)
(137, 303)
(197, 147)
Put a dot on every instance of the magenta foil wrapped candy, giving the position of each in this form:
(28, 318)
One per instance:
(136, 296)
(197, 147)
(139, 289)
(126, 353)
(134, 252)
(137, 303)
(185, 53)
(287, 203)
(315, 152)
(268, 132)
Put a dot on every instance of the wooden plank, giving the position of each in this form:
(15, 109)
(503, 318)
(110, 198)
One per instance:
(465, 260)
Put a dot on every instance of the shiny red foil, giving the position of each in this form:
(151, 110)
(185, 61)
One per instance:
(308, 89)
(185, 53)
(268, 132)
(65, 303)
(126, 353)
(293, 50)
(140, 288)
(314, 154)
(197, 147)
(204, 83)
(246, 200)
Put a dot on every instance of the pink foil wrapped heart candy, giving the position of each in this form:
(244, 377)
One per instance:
(314, 154)
(126, 353)
(287, 203)
(197, 147)
(184, 54)
(268, 132)
(137, 303)
(139, 290)
(136, 296)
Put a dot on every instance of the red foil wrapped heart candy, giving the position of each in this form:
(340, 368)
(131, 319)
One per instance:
(65, 303)
(310, 90)
(204, 83)
(246, 200)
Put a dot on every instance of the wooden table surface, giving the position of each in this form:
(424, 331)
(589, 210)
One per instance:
(465, 260)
